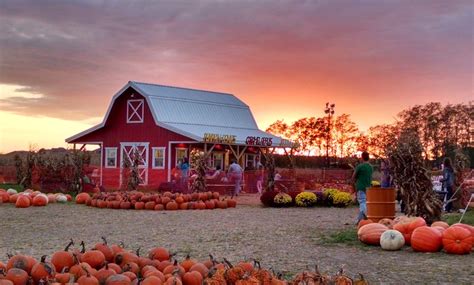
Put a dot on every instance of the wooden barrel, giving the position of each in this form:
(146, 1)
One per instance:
(380, 203)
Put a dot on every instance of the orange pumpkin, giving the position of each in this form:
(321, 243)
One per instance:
(370, 234)
(82, 198)
(22, 262)
(159, 253)
(407, 226)
(94, 258)
(64, 258)
(106, 250)
(457, 240)
(118, 279)
(43, 270)
(40, 200)
(188, 263)
(440, 224)
(87, 280)
(173, 269)
(17, 276)
(387, 222)
(22, 202)
(192, 278)
(104, 273)
(201, 268)
(231, 203)
(426, 239)
(172, 205)
(364, 222)
(152, 280)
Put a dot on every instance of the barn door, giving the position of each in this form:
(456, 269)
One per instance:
(128, 150)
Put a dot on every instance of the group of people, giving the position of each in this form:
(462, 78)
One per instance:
(181, 175)
(362, 178)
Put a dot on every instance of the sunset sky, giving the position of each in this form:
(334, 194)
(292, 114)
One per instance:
(62, 61)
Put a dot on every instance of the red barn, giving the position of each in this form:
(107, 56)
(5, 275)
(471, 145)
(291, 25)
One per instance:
(164, 124)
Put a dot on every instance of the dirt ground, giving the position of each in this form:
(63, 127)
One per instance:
(289, 240)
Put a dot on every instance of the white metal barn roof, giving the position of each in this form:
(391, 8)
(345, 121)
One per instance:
(192, 113)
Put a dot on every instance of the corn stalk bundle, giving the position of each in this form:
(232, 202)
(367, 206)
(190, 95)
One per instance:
(270, 171)
(199, 184)
(412, 179)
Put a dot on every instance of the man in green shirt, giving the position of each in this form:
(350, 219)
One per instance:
(363, 179)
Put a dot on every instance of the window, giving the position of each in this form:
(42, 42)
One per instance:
(110, 157)
(158, 157)
(180, 154)
(135, 111)
(250, 160)
(218, 159)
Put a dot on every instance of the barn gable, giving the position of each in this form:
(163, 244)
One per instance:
(191, 113)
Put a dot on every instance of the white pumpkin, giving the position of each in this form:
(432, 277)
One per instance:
(12, 191)
(61, 198)
(392, 240)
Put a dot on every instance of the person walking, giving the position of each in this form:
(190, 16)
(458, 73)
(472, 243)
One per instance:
(184, 174)
(363, 179)
(235, 173)
(448, 182)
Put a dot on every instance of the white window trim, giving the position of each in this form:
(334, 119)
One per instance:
(106, 157)
(153, 157)
(214, 160)
(176, 153)
(135, 111)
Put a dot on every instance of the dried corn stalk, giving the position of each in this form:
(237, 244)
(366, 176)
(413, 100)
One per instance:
(412, 179)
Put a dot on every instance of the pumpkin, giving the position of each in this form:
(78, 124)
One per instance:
(172, 205)
(221, 204)
(467, 227)
(174, 269)
(457, 240)
(94, 258)
(12, 191)
(125, 257)
(439, 229)
(130, 275)
(22, 201)
(132, 267)
(82, 198)
(104, 273)
(231, 203)
(364, 222)
(22, 262)
(17, 276)
(43, 270)
(87, 279)
(155, 273)
(392, 240)
(159, 253)
(62, 259)
(5, 282)
(173, 280)
(51, 198)
(4, 197)
(370, 234)
(61, 198)
(341, 278)
(192, 278)
(440, 224)
(426, 239)
(153, 280)
(188, 263)
(118, 279)
(407, 225)
(201, 268)
(105, 249)
(387, 222)
(40, 200)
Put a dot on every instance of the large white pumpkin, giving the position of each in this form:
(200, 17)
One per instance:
(392, 240)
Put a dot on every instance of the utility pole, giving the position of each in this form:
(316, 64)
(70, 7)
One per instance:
(329, 111)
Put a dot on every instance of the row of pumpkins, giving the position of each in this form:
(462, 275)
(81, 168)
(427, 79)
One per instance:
(414, 232)
(30, 197)
(154, 201)
(114, 265)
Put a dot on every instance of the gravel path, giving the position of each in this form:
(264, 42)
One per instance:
(287, 239)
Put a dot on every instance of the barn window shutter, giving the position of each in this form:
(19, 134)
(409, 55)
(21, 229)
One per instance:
(135, 110)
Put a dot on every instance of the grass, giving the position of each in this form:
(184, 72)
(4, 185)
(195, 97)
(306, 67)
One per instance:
(7, 186)
(454, 218)
(345, 236)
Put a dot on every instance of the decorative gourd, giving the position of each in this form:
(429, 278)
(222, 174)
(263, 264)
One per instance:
(426, 239)
(457, 240)
(440, 224)
(392, 240)
(407, 225)
(370, 234)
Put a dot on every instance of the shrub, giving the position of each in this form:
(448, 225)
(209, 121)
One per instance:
(282, 200)
(306, 199)
(268, 197)
(341, 199)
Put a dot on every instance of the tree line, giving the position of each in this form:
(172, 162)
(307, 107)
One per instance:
(441, 129)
